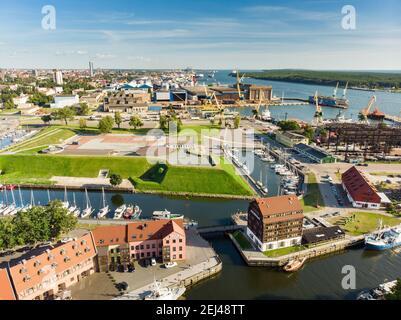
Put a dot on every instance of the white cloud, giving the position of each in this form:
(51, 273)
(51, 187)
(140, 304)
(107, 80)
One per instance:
(293, 13)
(70, 52)
(105, 56)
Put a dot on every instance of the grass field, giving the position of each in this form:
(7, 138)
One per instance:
(242, 240)
(313, 196)
(283, 251)
(39, 169)
(46, 137)
(358, 223)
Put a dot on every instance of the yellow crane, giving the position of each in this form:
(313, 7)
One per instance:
(363, 115)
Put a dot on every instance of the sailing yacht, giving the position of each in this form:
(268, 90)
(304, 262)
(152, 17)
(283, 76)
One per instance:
(87, 212)
(74, 210)
(65, 203)
(105, 209)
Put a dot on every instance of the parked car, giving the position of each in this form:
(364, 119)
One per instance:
(131, 268)
(170, 265)
(153, 261)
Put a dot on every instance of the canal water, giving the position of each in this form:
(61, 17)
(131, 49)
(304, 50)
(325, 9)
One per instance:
(319, 279)
(389, 103)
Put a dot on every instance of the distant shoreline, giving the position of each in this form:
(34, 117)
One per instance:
(363, 81)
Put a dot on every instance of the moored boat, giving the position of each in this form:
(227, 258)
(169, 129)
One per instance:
(160, 215)
(294, 265)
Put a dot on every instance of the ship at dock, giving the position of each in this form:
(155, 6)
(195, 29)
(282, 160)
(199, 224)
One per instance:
(333, 101)
(383, 239)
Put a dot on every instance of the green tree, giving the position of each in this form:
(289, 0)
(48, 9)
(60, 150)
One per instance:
(115, 180)
(289, 125)
(118, 119)
(40, 99)
(135, 122)
(32, 226)
(106, 124)
(9, 104)
(395, 293)
(46, 118)
(66, 114)
(163, 122)
(60, 221)
(8, 238)
(309, 132)
(82, 123)
(237, 121)
(83, 109)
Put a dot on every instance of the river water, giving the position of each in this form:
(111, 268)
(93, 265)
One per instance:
(389, 103)
(319, 279)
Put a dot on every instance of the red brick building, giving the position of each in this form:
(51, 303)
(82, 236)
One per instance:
(275, 222)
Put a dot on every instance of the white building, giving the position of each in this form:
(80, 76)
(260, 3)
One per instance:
(64, 101)
(58, 77)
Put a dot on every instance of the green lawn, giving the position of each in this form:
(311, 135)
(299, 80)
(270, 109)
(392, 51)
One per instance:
(46, 137)
(39, 169)
(313, 196)
(358, 223)
(242, 240)
(283, 251)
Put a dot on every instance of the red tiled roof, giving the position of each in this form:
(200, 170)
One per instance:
(359, 187)
(6, 289)
(29, 273)
(271, 207)
(136, 231)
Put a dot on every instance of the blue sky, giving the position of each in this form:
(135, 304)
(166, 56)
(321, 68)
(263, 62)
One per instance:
(219, 34)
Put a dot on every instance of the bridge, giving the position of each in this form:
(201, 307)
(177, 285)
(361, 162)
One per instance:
(220, 229)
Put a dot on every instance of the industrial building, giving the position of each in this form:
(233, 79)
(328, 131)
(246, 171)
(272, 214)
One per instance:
(136, 101)
(275, 222)
(64, 101)
(354, 140)
(360, 192)
(290, 139)
(314, 154)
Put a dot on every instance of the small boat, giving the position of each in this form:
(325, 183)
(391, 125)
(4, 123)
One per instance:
(105, 209)
(74, 207)
(132, 212)
(159, 215)
(164, 293)
(118, 213)
(87, 212)
(294, 265)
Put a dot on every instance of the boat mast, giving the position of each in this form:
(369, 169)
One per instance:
(20, 196)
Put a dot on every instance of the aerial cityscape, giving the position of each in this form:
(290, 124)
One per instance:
(200, 151)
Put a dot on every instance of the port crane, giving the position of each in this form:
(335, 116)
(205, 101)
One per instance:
(318, 117)
(239, 81)
(363, 115)
(214, 106)
(345, 91)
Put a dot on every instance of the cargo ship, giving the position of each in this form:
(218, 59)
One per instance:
(333, 101)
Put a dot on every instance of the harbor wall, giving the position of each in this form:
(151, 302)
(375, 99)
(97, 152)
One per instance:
(257, 259)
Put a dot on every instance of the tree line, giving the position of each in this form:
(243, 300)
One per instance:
(35, 225)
